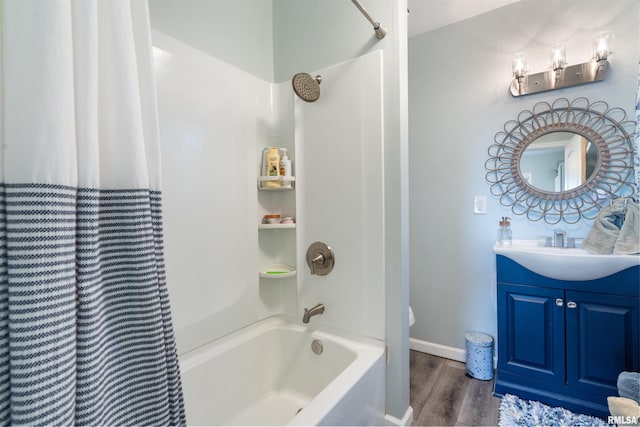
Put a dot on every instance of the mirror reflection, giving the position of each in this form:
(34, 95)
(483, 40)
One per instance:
(558, 161)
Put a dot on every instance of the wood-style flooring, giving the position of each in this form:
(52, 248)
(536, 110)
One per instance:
(442, 394)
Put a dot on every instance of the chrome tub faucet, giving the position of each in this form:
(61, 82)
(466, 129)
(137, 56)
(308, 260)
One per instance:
(308, 312)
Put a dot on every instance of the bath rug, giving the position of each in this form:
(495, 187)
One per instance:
(518, 412)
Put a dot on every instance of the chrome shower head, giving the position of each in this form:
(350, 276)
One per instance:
(306, 86)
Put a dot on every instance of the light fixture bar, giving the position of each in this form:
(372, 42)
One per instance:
(571, 75)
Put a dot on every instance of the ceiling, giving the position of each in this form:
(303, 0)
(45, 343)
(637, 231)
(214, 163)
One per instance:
(427, 15)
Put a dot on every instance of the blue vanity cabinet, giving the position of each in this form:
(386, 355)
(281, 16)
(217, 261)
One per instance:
(564, 343)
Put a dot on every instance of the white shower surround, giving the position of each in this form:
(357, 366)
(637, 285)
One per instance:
(339, 146)
(214, 122)
(209, 117)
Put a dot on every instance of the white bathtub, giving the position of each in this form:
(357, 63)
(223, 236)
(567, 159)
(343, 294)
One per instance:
(265, 373)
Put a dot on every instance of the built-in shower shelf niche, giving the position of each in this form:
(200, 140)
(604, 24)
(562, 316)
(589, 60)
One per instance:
(277, 242)
(286, 183)
(276, 226)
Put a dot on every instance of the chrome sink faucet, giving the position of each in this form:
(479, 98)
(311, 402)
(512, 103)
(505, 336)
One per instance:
(308, 312)
(559, 238)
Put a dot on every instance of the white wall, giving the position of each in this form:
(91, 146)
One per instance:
(238, 32)
(458, 101)
(311, 35)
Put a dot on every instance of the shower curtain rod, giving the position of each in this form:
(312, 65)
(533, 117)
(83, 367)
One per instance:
(380, 31)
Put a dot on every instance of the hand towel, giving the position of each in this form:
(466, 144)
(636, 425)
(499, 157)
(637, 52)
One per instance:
(629, 385)
(623, 407)
(629, 238)
(605, 230)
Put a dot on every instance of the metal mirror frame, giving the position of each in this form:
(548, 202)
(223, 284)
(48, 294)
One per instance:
(606, 128)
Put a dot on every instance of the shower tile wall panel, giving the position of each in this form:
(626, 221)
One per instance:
(339, 145)
(211, 117)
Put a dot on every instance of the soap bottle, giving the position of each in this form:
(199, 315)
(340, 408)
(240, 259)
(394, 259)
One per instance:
(285, 168)
(504, 231)
(273, 166)
(263, 165)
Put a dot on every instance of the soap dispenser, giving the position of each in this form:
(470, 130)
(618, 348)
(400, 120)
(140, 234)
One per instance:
(285, 168)
(504, 231)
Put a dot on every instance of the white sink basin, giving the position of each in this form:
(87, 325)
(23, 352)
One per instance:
(565, 264)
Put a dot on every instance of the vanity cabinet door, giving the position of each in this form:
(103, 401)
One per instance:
(603, 334)
(531, 332)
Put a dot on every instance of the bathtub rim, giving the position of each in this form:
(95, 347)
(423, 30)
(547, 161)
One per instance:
(368, 351)
(272, 322)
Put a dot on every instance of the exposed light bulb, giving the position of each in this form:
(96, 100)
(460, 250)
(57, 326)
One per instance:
(519, 65)
(558, 57)
(602, 45)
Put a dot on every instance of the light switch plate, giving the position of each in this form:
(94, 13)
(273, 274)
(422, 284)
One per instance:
(480, 205)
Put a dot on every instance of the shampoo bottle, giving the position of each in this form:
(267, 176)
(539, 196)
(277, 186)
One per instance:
(285, 168)
(263, 165)
(273, 166)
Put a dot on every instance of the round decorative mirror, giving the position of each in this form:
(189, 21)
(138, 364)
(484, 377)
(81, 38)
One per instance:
(558, 161)
(562, 161)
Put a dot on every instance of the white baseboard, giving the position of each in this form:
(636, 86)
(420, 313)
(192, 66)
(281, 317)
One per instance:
(437, 349)
(406, 420)
(453, 353)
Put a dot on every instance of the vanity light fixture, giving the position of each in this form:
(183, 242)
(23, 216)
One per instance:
(560, 75)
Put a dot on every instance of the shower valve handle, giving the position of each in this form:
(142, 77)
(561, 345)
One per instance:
(320, 258)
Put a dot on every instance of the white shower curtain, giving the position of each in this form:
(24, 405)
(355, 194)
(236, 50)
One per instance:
(85, 327)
